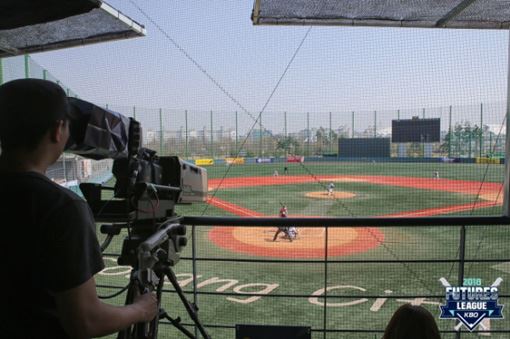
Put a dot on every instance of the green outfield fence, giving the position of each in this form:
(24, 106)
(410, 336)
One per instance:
(467, 131)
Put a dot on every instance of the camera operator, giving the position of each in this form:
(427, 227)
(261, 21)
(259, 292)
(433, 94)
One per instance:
(50, 250)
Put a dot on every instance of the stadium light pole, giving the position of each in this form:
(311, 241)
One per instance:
(1, 71)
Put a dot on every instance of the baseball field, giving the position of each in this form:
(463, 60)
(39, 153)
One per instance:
(244, 277)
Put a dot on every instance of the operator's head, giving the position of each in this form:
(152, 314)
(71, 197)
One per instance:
(411, 321)
(33, 112)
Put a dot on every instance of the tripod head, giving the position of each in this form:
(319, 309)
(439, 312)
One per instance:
(161, 248)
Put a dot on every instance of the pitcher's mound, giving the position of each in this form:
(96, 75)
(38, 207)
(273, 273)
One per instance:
(334, 195)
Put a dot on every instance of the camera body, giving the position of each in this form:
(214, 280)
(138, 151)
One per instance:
(147, 186)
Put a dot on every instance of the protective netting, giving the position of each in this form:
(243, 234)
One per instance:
(305, 118)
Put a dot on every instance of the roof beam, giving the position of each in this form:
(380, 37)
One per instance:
(454, 12)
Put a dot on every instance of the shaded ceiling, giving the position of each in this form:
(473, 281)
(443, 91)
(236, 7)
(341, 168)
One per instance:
(474, 14)
(29, 26)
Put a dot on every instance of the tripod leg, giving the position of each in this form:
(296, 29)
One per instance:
(140, 330)
(191, 309)
(131, 292)
(178, 325)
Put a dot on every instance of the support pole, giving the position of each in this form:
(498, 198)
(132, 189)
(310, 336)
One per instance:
(27, 66)
(45, 74)
(308, 133)
(330, 134)
(450, 132)
(481, 129)
(261, 135)
(1, 71)
(506, 208)
(212, 137)
(352, 124)
(194, 268)
(462, 261)
(375, 124)
(186, 134)
(237, 137)
(160, 131)
(325, 295)
(285, 123)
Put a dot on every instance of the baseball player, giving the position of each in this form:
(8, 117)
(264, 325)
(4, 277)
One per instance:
(283, 214)
(331, 186)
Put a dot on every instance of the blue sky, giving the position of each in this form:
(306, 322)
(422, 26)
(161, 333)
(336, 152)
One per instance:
(338, 69)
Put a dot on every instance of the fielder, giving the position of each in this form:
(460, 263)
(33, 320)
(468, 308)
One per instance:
(331, 186)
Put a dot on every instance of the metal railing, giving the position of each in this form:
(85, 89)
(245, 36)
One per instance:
(460, 224)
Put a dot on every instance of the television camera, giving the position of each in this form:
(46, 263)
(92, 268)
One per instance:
(147, 188)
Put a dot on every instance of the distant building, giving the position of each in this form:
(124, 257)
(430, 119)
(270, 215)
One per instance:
(256, 134)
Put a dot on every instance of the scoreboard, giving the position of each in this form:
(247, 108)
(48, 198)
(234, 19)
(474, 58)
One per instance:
(416, 130)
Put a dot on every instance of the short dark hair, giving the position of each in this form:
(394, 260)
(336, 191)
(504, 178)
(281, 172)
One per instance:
(28, 109)
(410, 321)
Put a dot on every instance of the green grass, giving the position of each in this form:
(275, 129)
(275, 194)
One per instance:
(476, 172)
(370, 200)
(401, 243)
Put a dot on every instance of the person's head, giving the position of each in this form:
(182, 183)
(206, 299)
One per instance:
(412, 322)
(33, 113)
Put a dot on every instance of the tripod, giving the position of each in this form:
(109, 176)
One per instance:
(155, 256)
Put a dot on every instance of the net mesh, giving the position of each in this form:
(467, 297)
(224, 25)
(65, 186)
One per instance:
(266, 112)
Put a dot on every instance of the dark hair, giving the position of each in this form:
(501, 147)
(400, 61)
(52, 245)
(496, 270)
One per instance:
(28, 109)
(412, 322)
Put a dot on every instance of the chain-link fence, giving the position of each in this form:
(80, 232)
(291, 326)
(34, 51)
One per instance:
(472, 131)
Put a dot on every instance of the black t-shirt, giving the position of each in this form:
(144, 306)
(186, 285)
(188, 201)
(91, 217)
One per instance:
(48, 244)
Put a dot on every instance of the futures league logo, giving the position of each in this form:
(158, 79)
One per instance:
(471, 303)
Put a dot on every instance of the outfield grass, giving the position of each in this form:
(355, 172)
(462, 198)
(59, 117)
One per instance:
(363, 279)
(476, 172)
